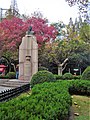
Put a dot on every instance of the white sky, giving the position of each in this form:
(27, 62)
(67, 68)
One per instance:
(53, 10)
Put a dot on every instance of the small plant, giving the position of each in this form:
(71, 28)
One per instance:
(11, 75)
(42, 76)
(67, 76)
(86, 74)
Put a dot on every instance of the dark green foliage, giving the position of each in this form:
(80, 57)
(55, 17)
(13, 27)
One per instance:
(58, 77)
(10, 75)
(42, 76)
(86, 74)
(67, 76)
(75, 77)
(3, 77)
(48, 101)
(80, 87)
(42, 68)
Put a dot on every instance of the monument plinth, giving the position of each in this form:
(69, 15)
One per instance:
(28, 57)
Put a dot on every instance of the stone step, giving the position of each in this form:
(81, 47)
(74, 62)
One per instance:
(14, 83)
(20, 81)
(3, 80)
(8, 85)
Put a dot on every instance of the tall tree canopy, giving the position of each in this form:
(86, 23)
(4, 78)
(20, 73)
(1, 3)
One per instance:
(75, 47)
(85, 32)
(12, 31)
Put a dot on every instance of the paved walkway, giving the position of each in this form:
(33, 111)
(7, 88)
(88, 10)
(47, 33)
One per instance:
(6, 84)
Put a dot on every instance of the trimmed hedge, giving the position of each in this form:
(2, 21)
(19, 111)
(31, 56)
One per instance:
(80, 87)
(58, 77)
(3, 77)
(42, 76)
(48, 101)
(67, 76)
(86, 74)
(11, 75)
(77, 77)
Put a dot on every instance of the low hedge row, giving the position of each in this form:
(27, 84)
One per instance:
(67, 76)
(48, 101)
(80, 87)
(10, 75)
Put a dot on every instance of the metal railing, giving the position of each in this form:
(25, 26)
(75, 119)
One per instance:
(11, 93)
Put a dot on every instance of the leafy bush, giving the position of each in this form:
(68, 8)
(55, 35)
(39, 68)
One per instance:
(58, 77)
(42, 76)
(86, 74)
(77, 77)
(3, 77)
(67, 76)
(80, 87)
(48, 101)
(11, 75)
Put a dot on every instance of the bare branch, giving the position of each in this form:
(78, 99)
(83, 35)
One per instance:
(64, 62)
(64, 66)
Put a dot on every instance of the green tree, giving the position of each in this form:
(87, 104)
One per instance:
(74, 51)
(85, 32)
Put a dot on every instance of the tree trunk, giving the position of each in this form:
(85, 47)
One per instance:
(60, 70)
(62, 66)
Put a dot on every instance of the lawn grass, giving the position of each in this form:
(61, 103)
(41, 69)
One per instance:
(81, 105)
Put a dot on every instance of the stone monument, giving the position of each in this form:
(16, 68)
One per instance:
(28, 56)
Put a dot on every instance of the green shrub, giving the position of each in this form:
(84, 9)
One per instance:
(11, 75)
(58, 77)
(77, 77)
(47, 101)
(86, 74)
(42, 76)
(3, 77)
(80, 87)
(67, 76)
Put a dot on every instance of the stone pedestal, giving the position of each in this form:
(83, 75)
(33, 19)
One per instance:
(28, 57)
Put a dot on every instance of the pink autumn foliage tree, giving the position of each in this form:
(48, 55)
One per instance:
(12, 31)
